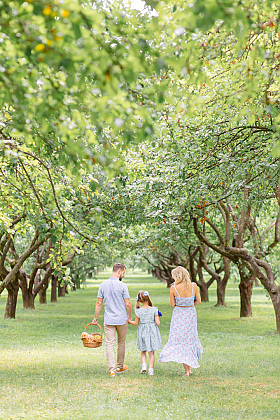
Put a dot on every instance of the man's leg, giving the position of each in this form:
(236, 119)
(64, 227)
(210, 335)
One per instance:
(121, 332)
(110, 333)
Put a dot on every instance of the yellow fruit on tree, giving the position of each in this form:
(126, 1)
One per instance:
(47, 11)
(40, 47)
(65, 13)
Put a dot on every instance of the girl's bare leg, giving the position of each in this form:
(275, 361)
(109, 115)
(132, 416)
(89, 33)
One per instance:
(143, 357)
(144, 364)
(151, 359)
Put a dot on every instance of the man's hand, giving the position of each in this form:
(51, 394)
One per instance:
(94, 321)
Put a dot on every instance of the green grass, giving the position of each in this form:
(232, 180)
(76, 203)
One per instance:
(45, 372)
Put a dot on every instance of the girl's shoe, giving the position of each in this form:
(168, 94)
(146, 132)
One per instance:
(151, 371)
(144, 368)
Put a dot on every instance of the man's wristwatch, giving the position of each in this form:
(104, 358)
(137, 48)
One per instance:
(95, 319)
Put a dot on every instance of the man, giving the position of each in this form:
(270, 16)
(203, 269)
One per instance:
(117, 302)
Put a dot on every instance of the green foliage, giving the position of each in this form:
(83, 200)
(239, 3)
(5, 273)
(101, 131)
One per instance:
(73, 77)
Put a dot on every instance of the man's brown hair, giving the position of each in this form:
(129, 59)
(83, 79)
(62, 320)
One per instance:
(118, 266)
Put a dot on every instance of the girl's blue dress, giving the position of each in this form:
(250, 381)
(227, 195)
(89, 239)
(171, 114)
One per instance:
(148, 335)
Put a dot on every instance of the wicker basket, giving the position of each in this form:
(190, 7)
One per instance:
(92, 340)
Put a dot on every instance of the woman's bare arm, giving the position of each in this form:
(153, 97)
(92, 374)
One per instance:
(172, 297)
(197, 296)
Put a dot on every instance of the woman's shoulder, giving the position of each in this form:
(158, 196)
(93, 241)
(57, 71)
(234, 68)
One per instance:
(172, 288)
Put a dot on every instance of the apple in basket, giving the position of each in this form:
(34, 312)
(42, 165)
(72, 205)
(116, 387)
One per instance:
(97, 337)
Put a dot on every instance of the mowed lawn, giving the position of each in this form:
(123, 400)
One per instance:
(45, 372)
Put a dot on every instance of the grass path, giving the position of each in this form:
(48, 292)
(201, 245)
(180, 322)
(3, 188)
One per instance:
(45, 372)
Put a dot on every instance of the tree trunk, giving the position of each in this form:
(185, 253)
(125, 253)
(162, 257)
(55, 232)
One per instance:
(245, 299)
(204, 292)
(43, 295)
(156, 273)
(202, 284)
(221, 291)
(54, 288)
(275, 297)
(245, 288)
(59, 288)
(12, 288)
(76, 282)
(62, 290)
(44, 286)
(27, 294)
(27, 297)
(169, 281)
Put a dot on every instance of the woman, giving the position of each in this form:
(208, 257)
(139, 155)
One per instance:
(183, 345)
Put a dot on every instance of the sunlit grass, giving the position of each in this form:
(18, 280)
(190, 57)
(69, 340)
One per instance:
(45, 372)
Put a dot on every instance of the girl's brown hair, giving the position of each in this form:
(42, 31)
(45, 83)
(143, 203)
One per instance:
(143, 296)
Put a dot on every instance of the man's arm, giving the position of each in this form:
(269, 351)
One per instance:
(98, 307)
(128, 308)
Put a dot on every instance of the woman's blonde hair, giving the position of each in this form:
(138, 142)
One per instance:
(181, 275)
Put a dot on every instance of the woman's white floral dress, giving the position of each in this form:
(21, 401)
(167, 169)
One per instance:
(183, 345)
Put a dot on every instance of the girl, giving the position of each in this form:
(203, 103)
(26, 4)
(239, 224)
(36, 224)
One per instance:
(148, 335)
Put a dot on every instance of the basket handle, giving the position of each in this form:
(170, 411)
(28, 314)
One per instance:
(94, 324)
